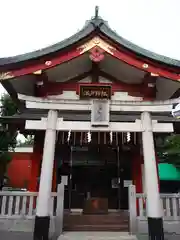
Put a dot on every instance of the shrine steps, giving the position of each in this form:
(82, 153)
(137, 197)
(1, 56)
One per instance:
(97, 236)
(95, 222)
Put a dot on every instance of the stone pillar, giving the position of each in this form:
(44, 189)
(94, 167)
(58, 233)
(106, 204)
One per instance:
(132, 209)
(42, 219)
(154, 208)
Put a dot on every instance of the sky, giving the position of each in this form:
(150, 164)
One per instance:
(30, 25)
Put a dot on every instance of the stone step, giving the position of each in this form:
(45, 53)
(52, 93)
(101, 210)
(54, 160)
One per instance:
(107, 216)
(96, 217)
(85, 227)
(109, 222)
(95, 221)
(97, 236)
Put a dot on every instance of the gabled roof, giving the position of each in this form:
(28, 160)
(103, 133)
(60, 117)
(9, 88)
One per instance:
(95, 25)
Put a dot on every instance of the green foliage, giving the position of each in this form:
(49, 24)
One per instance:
(8, 107)
(7, 140)
(168, 149)
(7, 135)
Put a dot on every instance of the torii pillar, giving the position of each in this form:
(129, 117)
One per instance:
(42, 219)
(154, 208)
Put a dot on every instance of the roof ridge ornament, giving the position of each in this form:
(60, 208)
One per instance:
(96, 12)
(97, 20)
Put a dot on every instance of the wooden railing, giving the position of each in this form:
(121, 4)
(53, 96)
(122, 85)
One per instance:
(137, 207)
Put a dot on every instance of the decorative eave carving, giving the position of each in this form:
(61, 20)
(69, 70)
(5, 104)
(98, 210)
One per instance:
(96, 42)
(96, 48)
(6, 75)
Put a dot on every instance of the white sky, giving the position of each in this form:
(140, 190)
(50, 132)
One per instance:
(31, 25)
(34, 24)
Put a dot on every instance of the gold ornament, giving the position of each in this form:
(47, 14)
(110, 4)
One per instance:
(94, 42)
(6, 75)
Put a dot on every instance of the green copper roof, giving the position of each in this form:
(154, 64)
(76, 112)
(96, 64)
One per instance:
(168, 172)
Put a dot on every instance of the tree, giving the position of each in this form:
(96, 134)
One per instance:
(7, 135)
(8, 106)
(168, 149)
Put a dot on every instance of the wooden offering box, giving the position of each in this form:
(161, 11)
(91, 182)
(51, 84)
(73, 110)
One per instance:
(96, 206)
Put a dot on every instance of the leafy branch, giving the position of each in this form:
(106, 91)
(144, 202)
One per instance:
(168, 149)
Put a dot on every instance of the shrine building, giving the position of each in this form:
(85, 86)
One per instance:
(94, 101)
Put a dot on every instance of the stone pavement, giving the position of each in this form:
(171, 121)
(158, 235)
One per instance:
(167, 237)
(96, 236)
(6, 235)
(109, 236)
(9, 235)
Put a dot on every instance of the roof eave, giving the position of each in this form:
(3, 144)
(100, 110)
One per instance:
(107, 31)
(94, 25)
(83, 33)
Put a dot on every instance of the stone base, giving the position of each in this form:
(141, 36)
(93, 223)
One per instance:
(155, 227)
(170, 227)
(41, 228)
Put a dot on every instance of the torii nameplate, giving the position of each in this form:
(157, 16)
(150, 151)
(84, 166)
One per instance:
(100, 113)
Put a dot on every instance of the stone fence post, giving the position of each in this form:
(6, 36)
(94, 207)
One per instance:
(60, 205)
(132, 210)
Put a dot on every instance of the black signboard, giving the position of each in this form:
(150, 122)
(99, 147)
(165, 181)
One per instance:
(95, 91)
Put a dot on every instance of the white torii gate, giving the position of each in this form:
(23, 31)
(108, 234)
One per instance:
(52, 123)
(81, 126)
(146, 125)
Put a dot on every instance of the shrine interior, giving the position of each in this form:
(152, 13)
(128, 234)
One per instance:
(100, 168)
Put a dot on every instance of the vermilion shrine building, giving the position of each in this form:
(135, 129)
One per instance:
(95, 99)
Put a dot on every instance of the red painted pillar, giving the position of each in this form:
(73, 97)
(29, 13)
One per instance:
(54, 182)
(36, 160)
(137, 173)
(35, 164)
